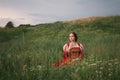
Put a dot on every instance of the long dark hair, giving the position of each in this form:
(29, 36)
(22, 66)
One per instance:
(75, 35)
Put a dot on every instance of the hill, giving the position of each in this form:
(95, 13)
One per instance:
(84, 20)
(27, 53)
(105, 23)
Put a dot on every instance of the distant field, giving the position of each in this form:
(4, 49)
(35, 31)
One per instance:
(27, 53)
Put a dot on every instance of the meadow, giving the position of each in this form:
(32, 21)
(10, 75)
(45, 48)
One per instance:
(27, 53)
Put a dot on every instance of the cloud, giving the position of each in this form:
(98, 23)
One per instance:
(14, 15)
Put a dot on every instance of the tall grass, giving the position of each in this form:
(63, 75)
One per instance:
(29, 52)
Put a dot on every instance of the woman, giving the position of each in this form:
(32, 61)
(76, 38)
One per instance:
(72, 51)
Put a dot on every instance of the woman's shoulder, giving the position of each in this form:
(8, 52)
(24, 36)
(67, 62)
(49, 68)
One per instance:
(66, 44)
(80, 44)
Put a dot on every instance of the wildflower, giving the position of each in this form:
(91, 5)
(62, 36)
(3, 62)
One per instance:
(109, 69)
(110, 74)
(101, 68)
(109, 63)
(39, 67)
(116, 59)
(92, 64)
(96, 71)
(116, 62)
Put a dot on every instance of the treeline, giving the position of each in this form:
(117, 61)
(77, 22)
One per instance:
(10, 24)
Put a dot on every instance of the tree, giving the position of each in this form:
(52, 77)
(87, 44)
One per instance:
(9, 25)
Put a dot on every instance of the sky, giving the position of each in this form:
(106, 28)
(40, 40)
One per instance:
(46, 11)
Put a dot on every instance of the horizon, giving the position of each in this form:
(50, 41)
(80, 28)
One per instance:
(84, 18)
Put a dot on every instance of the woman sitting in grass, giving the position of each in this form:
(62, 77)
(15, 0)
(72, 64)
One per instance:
(72, 51)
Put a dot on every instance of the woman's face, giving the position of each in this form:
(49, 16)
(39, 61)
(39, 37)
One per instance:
(71, 37)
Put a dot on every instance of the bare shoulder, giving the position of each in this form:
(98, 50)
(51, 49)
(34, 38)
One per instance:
(66, 44)
(80, 44)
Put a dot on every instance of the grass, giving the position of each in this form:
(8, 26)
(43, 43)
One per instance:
(27, 53)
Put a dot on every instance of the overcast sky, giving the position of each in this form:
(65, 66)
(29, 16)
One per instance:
(44, 11)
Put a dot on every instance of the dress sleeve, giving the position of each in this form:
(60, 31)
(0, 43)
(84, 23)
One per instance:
(65, 51)
(81, 46)
(65, 47)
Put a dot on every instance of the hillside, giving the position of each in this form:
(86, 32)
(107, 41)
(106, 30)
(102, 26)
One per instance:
(85, 20)
(105, 23)
(92, 18)
(27, 53)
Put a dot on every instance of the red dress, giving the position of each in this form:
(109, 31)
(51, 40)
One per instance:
(70, 54)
